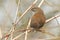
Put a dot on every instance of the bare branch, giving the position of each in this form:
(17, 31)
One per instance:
(52, 18)
(40, 3)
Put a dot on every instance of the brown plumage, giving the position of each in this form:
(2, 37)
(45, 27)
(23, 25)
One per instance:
(38, 19)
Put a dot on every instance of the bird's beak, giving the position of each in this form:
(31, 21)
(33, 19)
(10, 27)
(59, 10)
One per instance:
(32, 9)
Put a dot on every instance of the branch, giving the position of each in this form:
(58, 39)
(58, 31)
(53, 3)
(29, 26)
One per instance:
(52, 18)
(40, 3)
(27, 28)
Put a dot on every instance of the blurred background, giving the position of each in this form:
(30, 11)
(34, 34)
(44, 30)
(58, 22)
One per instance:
(8, 11)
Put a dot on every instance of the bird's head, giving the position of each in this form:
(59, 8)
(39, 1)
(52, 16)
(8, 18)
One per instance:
(35, 9)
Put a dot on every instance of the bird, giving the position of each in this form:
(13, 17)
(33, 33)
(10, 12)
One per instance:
(38, 19)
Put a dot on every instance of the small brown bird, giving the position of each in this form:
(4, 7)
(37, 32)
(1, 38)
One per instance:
(38, 19)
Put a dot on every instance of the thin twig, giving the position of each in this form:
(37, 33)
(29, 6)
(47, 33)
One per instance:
(17, 11)
(15, 19)
(52, 18)
(40, 3)
(27, 28)
(12, 33)
(20, 35)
